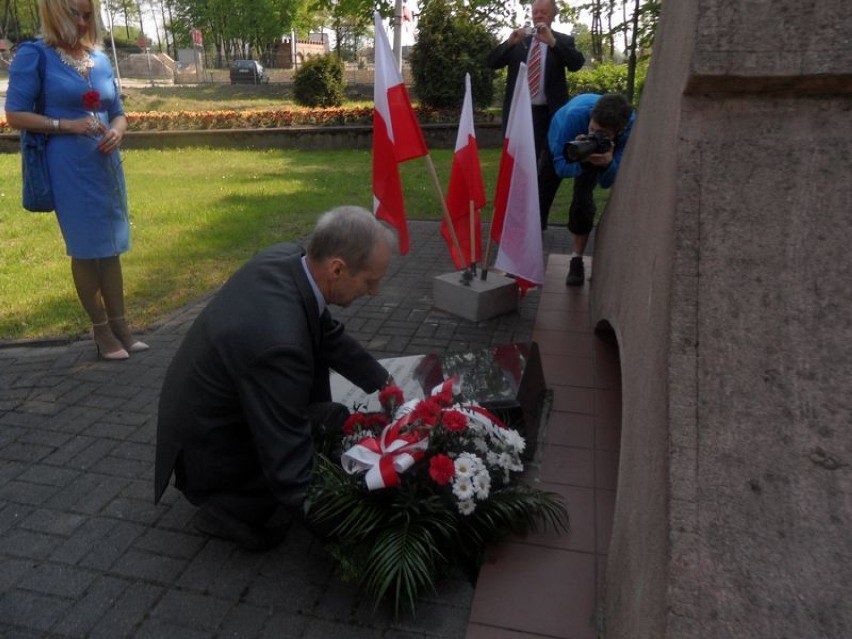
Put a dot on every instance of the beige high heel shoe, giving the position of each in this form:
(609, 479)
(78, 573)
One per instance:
(122, 332)
(109, 348)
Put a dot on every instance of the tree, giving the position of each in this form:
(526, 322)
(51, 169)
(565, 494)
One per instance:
(450, 44)
(644, 27)
(122, 12)
(237, 28)
(350, 19)
(19, 19)
(634, 20)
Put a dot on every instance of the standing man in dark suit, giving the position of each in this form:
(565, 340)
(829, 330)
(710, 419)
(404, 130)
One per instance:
(556, 54)
(248, 390)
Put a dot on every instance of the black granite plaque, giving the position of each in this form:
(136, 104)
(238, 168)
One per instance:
(507, 379)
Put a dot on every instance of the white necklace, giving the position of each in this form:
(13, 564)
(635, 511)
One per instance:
(81, 65)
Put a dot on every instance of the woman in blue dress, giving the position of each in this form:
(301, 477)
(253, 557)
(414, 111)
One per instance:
(85, 123)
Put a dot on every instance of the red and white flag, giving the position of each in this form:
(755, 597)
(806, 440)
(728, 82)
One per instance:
(396, 137)
(517, 223)
(465, 187)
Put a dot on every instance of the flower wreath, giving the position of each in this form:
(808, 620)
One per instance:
(420, 487)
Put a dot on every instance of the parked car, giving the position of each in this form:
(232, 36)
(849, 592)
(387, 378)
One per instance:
(248, 72)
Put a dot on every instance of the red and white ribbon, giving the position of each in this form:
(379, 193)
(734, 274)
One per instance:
(386, 456)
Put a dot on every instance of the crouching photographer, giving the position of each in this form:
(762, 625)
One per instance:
(587, 137)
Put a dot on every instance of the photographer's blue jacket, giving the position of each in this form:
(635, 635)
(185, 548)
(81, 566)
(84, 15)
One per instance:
(573, 120)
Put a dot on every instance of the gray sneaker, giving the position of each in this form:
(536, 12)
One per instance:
(576, 272)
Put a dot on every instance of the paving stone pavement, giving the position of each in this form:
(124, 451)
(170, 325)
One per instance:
(84, 552)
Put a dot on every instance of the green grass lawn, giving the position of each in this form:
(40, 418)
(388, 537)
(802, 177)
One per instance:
(196, 215)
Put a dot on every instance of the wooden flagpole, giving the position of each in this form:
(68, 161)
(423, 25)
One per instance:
(447, 217)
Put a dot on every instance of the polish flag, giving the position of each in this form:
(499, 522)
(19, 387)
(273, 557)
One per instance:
(465, 187)
(517, 223)
(396, 137)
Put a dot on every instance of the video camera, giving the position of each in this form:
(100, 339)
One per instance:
(586, 145)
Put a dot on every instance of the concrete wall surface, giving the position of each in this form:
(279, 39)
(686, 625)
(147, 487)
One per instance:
(723, 265)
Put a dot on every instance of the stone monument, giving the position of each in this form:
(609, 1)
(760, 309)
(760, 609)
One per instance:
(723, 265)
(507, 379)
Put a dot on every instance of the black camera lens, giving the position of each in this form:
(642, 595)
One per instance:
(586, 145)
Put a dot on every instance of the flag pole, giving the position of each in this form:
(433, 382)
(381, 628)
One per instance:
(431, 166)
(484, 275)
(473, 236)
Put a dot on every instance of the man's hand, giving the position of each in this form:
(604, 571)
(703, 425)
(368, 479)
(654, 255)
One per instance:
(544, 34)
(601, 159)
(517, 36)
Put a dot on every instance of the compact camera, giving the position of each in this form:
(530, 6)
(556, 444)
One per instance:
(586, 145)
(530, 30)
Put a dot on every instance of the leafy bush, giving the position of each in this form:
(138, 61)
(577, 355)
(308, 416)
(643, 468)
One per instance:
(449, 45)
(607, 78)
(319, 82)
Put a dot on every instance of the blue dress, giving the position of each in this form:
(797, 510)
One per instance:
(88, 185)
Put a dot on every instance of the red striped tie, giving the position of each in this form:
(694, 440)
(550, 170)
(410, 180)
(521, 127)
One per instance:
(535, 68)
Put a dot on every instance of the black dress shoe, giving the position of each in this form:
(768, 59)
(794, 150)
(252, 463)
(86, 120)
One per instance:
(217, 522)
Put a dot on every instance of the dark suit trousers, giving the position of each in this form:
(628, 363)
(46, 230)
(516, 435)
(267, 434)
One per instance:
(251, 500)
(548, 180)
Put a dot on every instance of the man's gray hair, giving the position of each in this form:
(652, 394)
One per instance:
(350, 233)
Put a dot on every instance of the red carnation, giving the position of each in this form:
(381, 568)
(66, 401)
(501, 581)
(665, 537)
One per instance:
(355, 421)
(444, 398)
(426, 413)
(441, 469)
(391, 397)
(376, 422)
(454, 420)
(92, 101)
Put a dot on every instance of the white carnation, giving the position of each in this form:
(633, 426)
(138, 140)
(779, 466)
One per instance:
(467, 464)
(482, 485)
(513, 440)
(463, 488)
(466, 506)
(464, 466)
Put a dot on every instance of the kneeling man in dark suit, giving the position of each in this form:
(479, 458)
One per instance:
(249, 386)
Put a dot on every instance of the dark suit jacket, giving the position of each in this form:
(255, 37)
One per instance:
(234, 398)
(563, 55)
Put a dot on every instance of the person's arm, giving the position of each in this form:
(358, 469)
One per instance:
(565, 53)
(500, 55)
(607, 177)
(564, 127)
(347, 356)
(35, 122)
(24, 87)
(113, 135)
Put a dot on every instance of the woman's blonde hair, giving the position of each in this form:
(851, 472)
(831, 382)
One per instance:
(59, 26)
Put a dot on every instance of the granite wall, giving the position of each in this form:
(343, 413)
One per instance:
(723, 266)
